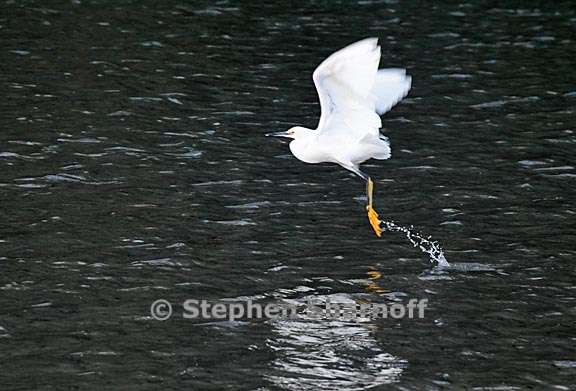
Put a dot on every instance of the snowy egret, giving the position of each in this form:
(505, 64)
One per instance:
(353, 94)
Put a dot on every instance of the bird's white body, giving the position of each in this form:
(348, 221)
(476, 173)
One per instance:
(353, 93)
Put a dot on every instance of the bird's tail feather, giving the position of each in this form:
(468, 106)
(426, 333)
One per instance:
(377, 147)
(382, 151)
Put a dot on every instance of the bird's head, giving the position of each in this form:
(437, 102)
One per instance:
(295, 133)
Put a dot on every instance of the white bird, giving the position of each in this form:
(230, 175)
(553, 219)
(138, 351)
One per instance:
(353, 94)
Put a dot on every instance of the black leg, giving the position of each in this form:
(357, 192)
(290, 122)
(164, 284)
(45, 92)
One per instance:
(357, 171)
(363, 176)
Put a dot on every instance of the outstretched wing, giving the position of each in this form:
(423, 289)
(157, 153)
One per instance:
(390, 87)
(353, 91)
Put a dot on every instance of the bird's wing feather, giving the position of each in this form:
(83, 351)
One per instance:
(353, 92)
(346, 77)
(390, 87)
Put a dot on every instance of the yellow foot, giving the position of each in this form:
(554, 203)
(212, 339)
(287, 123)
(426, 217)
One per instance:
(374, 221)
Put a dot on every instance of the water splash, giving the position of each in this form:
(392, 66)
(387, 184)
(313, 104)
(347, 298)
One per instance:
(427, 245)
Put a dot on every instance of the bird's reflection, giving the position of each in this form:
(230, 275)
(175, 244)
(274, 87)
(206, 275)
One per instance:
(371, 284)
(325, 354)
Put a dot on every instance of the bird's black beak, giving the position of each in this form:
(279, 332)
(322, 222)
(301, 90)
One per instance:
(278, 134)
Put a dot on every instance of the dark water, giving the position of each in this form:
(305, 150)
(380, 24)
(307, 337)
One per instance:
(133, 167)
